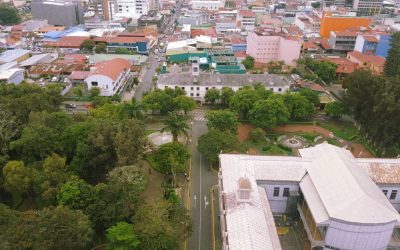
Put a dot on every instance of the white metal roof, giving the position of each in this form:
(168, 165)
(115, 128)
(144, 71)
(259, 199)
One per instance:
(345, 189)
(248, 224)
(34, 59)
(7, 74)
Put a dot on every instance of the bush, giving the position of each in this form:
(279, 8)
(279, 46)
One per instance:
(256, 135)
(284, 147)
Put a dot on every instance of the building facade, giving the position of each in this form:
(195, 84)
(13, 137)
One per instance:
(330, 22)
(339, 201)
(343, 40)
(266, 47)
(134, 7)
(58, 12)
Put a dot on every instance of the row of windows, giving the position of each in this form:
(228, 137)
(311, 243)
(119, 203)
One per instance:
(393, 194)
(207, 88)
(277, 192)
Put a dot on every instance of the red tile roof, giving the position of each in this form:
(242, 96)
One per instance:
(310, 45)
(121, 39)
(240, 54)
(345, 33)
(378, 61)
(67, 42)
(247, 13)
(343, 65)
(111, 68)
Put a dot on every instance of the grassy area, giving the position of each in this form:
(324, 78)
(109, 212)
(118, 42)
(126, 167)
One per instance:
(266, 148)
(149, 132)
(344, 130)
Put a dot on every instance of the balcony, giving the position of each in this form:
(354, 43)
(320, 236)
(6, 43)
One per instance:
(311, 228)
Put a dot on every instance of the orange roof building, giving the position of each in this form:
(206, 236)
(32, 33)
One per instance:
(340, 23)
(109, 76)
(374, 63)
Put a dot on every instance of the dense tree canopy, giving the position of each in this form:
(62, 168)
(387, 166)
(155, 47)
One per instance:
(334, 109)
(122, 237)
(215, 142)
(226, 94)
(392, 64)
(311, 95)
(212, 95)
(243, 100)
(223, 120)
(8, 15)
(298, 106)
(269, 113)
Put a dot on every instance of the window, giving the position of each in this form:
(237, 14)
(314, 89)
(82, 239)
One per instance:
(95, 84)
(206, 88)
(183, 88)
(280, 89)
(286, 192)
(276, 191)
(191, 94)
(385, 192)
(393, 194)
(191, 88)
(197, 94)
(198, 88)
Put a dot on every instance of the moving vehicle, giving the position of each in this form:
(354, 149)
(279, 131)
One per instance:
(70, 106)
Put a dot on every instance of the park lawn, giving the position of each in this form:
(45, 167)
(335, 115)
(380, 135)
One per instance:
(149, 132)
(344, 130)
(265, 148)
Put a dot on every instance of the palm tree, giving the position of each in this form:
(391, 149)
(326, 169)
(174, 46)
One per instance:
(176, 124)
(133, 109)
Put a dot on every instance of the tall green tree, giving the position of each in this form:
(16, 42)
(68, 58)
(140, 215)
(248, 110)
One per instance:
(269, 113)
(161, 225)
(17, 177)
(47, 229)
(243, 100)
(334, 109)
(298, 106)
(122, 237)
(184, 103)
(8, 129)
(311, 95)
(88, 45)
(8, 15)
(223, 120)
(176, 124)
(248, 62)
(212, 95)
(226, 94)
(210, 145)
(392, 64)
(101, 48)
(158, 100)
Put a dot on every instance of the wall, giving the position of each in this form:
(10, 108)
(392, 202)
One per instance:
(263, 48)
(64, 15)
(329, 24)
(366, 237)
(103, 82)
(395, 202)
(359, 46)
(289, 51)
(383, 46)
(278, 203)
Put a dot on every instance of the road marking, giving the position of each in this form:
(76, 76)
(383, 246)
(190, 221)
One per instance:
(200, 209)
(205, 202)
(194, 198)
(212, 215)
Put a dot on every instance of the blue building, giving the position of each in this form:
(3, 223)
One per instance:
(138, 44)
(376, 44)
(383, 46)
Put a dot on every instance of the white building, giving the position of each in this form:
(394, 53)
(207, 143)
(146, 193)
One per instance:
(15, 76)
(134, 7)
(109, 76)
(246, 19)
(334, 195)
(197, 83)
(212, 5)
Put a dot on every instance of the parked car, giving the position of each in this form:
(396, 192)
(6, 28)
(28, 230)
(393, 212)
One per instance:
(70, 106)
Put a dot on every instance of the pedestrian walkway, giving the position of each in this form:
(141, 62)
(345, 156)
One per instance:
(199, 118)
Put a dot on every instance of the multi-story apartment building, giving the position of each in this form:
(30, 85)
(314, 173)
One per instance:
(246, 19)
(343, 40)
(134, 7)
(335, 200)
(58, 12)
(103, 8)
(212, 5)
(266, 46)
(367, 7)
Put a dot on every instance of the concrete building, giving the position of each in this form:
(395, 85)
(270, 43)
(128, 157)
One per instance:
(17, 55)
(212, 5)
(14, 76)
(343, 40)
(109, 76)
(134, 7)
(330, 194)
(193, 19)
(367, 7)
(266, 46)
(103, 8)
(140, 44)
(246, 19)
(58, 12)
(197, 83)
(374, 63)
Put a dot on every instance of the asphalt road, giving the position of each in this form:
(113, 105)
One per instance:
(146, 82)
(202, 180)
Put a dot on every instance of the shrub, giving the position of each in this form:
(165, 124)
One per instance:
(257, 135)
